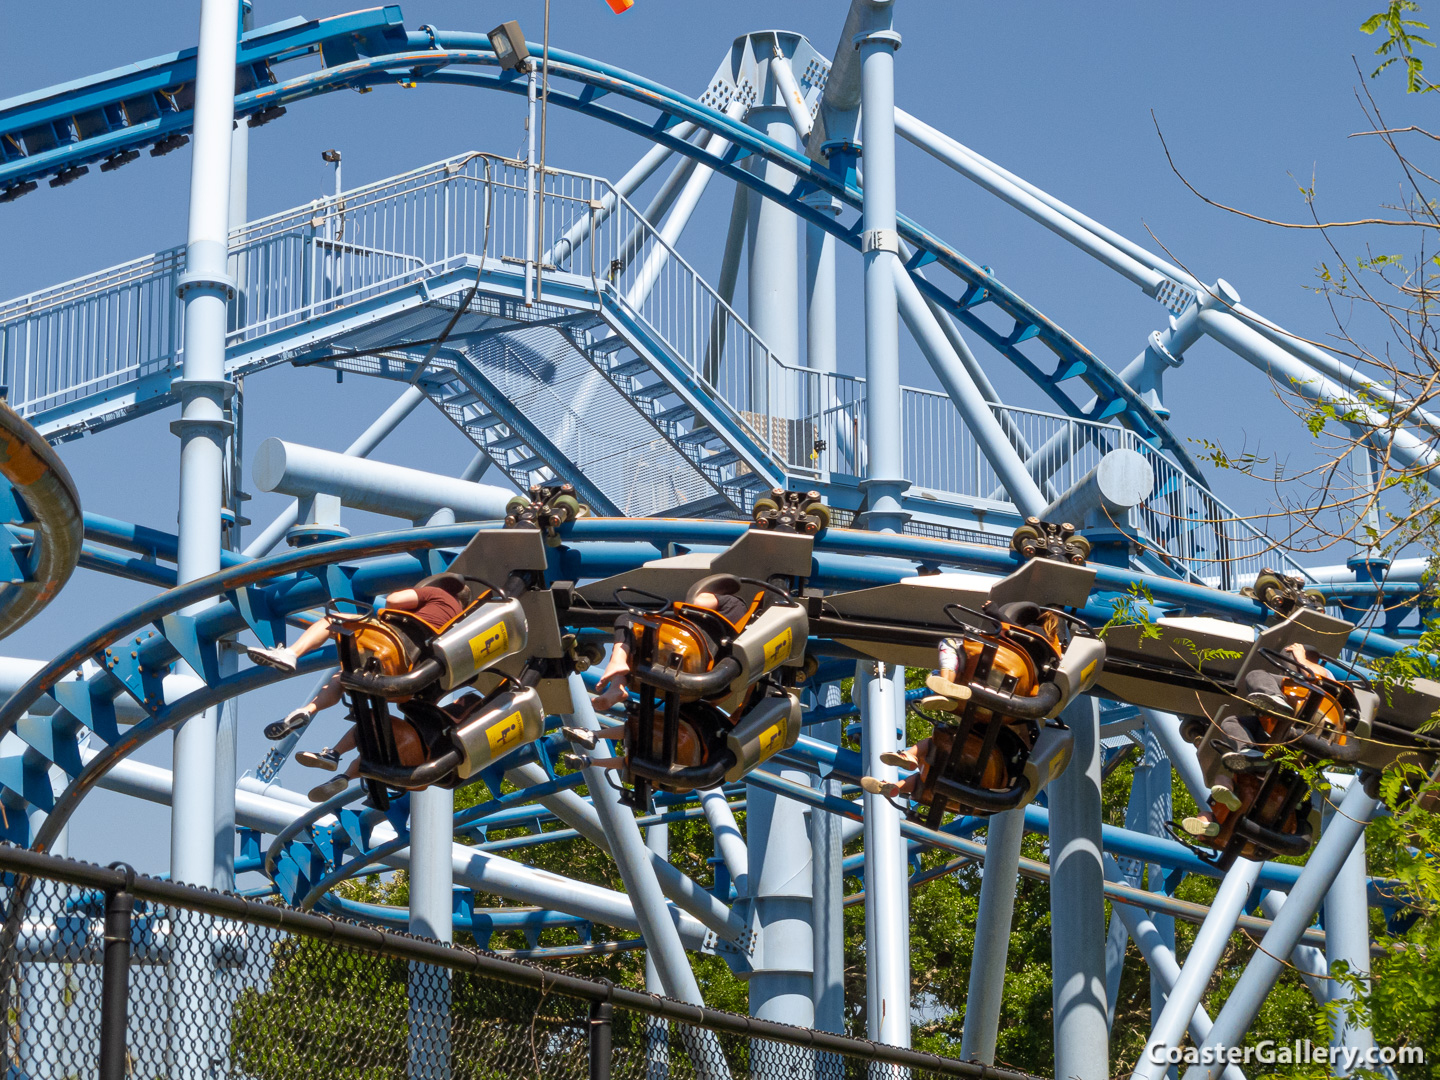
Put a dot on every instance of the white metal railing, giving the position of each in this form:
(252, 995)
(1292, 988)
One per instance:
(63, 344)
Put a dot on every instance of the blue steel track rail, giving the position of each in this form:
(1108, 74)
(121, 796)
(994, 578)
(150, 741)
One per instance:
(435, 57)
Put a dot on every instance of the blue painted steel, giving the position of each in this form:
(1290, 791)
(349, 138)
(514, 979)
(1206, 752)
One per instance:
(436, 56)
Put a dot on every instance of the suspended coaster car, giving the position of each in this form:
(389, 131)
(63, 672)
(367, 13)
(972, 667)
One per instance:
(1328, 720)
(714, 697)
(1018, 666)
(506, 644)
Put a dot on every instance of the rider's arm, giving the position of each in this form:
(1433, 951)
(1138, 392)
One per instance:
(403, 600)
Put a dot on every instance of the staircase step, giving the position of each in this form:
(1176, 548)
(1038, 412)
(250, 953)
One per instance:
(653, 392)
(675, 415)
(483, 421)
(750, 481)
(721, 457)
(605, 345)
(529, 464)
(630, 367)
(698, 436)
(463, 398)
(509, 442)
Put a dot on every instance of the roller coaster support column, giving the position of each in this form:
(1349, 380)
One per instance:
(1266, 965)
(880, 689)
(1347, 939)
(657, 1031)
(431, 916)
(627, 847)
(1077, 904)
(884, 468)
(979, 417)
(1200, 963)
(774, 243)
(1160, 958)
(1310, 963)
(205, 288)
(827, 856)
(992, 935)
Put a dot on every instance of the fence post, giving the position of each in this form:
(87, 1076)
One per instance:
(602, 1014)
(115, 992)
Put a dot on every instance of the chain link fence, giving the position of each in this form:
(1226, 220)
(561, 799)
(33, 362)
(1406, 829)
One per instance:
(110, 974)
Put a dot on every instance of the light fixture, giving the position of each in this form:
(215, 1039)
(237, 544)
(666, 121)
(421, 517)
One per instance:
(332, 156)
(509, 44)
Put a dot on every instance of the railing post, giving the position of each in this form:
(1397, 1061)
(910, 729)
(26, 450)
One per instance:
(115, 993)
(601, 1017)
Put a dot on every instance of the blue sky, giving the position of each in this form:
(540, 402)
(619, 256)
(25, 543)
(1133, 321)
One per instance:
(1252, 98)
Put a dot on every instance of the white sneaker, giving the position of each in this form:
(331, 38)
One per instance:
(580, 736)
(281, 659)
(1225, 797)
(1200, 827)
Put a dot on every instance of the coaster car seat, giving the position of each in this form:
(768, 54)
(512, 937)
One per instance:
(998, 748)
(712, 701)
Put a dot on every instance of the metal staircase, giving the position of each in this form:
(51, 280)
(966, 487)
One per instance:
(629, 377)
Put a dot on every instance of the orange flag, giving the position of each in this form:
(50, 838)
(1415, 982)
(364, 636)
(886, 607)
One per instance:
(620, 6)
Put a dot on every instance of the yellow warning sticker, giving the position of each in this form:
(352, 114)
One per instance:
(777, 649)
(772, 739)
(505, 734)
(1089, 670)
(490, 643)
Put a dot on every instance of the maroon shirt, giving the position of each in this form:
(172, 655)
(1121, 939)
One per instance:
(437, 606)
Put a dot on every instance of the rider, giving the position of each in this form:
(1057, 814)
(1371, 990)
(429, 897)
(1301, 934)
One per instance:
(435, 601)
(1244, 735)
(725, 600)
(950, 652)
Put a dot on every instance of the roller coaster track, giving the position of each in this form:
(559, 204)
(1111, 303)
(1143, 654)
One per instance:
(91, 121)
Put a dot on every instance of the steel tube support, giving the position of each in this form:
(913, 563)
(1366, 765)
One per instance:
(781, 986)
(115, 986)
(305, 471)
(657, 1032)
(773, 240)
(887, 957)
(1166, 728)
(1347, 940)
(1310, 963)
(884, 467)
(827, 845)
(728, 839)
(1209, 945)
(1077, 904)
(992, 936)
(1159, 955)
(370, 438)
(628, 849)
(1290, 373)
(1267, 963)
(978, 414)
(431, 916)
(205, 289)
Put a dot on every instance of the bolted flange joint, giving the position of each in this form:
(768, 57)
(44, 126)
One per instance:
(877, 37)
(199, 279)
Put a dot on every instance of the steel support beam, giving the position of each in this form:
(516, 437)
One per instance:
(1077, 904)
(1200, 963)
(206, 288)
(884, 467)
(1347, 941)
(827, 845)
(887, 956)
(1001, 871)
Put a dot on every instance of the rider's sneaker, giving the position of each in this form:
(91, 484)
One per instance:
(325, 758)
(580, 736)
(1225, 797)
(1197, 826)
(294, 720)
(1272, 704)
(575, 761)
(945, 688)
(282, 659)
(875, 786)
(900, 761)
(1241, 761)
(329, 789)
